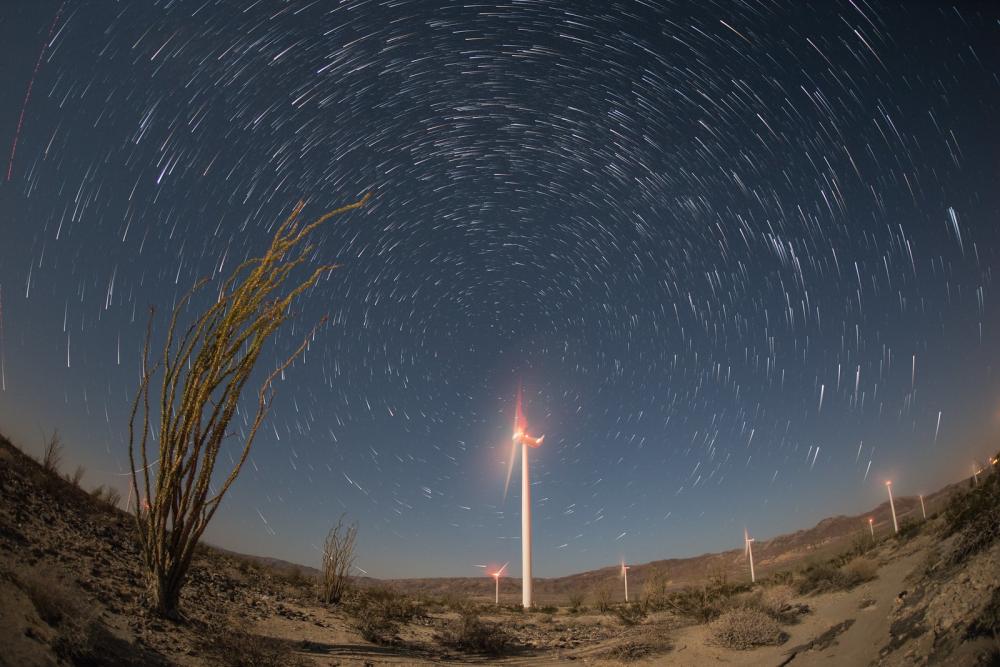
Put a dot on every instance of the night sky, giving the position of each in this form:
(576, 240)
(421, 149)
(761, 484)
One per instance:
(741, 255)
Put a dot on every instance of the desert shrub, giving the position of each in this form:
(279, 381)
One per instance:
(545, 609)
(77, 476)
(106, 494)
(908, 529)
(379, 611)
(630, 613)
(975, 517)
(746, 628)
(859, 571)
(603, 599)
(575, 602)
(783, 577)
(776, 601)
(695, 603)
(629, 651)
(338, 557)
(702, 604)
(862, 544)
(112, 496)
(987, 624)
(52, 452)
(232, 647)
(654, 591)
(374, 625)
(471, 634)
(826, 576)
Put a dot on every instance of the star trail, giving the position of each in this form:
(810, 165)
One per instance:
(739, 254)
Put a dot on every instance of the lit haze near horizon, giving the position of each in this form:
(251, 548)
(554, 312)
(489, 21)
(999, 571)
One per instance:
(741, 255)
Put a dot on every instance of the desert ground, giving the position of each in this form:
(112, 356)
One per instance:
(72, 593)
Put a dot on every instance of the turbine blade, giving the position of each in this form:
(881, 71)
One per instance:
(510, 466)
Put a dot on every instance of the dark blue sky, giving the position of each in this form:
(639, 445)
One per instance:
(741, 255)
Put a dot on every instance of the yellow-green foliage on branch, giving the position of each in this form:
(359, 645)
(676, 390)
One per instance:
(205, 371)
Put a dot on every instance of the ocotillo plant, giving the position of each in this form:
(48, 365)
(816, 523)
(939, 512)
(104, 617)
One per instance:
(205, 371)
(338, 557)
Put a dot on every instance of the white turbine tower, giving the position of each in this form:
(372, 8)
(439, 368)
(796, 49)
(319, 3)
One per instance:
(871, 527)
(624, 575)
(892, 506)
(496, 577)
(521, 437)
(748, 551)
(923, 510)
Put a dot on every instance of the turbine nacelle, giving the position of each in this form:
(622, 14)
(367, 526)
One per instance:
(522, 438)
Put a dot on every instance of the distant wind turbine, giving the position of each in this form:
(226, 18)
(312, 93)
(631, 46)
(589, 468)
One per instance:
(892, 506)
(624, 575)
(748, 551)
(871, 527)
(520, 437)
(496, 577)
(923, 510)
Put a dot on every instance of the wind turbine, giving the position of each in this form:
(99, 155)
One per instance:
(892, 506)
(496, 577)
(748, 551)
(871, 527)
(624, 575)
(521, 437)
(923, 510)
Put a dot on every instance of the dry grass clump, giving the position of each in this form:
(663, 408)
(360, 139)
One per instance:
(826, 576)
(746, 628)
(471, 634)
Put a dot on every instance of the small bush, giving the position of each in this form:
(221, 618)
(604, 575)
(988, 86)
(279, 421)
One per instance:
(707, 602)
(52, 453)
(378, 613)
(975, 517)
(987, 624)
(825, 577)
(575, 603)
(908, 529)
(776, 601)
(630, 651)
(630, 613)
(112, 496)
(746, 628)
(77, 476)
(473, 635)
(603, 599)
(654, 591)
(546, 609)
